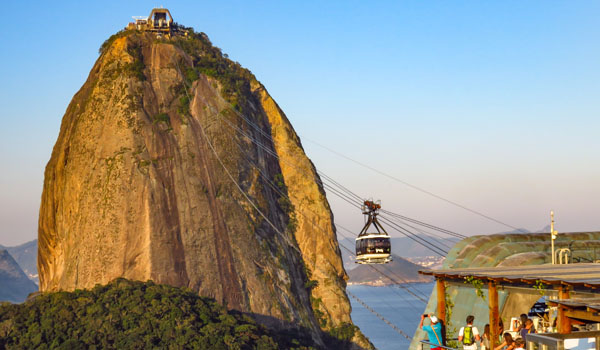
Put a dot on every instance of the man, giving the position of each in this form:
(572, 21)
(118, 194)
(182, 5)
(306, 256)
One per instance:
(434, 331)
(527, 330)
(469, 334)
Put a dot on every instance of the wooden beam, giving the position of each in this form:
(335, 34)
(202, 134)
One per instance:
(494, 315)
(441, 300)
(563, 322)
(582, 315)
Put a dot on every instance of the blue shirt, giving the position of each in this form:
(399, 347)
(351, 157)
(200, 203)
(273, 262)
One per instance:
(437, 328)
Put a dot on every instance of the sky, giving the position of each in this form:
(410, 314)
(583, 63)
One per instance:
(493, 105)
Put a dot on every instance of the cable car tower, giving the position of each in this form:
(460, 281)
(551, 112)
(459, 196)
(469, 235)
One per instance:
(373, 247)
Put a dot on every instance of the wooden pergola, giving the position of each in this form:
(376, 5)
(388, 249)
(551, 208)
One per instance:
(562, 278)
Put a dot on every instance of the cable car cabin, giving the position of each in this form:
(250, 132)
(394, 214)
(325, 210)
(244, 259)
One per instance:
(374, 247)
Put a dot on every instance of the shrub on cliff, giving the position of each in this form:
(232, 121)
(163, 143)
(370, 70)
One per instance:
(134, 315)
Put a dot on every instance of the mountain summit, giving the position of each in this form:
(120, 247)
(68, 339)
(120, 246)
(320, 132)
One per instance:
(174, 164)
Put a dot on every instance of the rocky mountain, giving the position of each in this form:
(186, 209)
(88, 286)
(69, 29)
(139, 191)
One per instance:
(399, 270)
(174, 164)
(26, 256)
(14, 284)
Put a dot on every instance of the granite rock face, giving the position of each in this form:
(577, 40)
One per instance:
(174, 164)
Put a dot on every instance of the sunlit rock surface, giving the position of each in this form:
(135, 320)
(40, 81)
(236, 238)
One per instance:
(133, 188)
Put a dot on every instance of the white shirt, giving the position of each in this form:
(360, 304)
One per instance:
(475, 334)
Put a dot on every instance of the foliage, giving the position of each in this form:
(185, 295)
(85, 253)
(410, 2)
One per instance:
(106, 44)
(135, 315)
(343, 333)
(184, 106)
(285, 204)
(477, 284)
(311, 284)
(136, 68)
(210, 61)
(161, 117)
(451, 330)
(540, 286)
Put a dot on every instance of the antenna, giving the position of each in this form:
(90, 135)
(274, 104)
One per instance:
(553, 235)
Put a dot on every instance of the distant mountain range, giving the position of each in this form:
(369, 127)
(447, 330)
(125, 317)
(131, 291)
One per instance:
(26, 256)
(399, 270)
(15, 286)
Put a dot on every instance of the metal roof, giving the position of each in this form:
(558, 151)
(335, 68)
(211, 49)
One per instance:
(589, 304)
(576, 275)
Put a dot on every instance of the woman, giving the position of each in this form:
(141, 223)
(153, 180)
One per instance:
(508, 344)
(485, 338)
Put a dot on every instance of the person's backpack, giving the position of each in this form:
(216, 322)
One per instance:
(468, 338)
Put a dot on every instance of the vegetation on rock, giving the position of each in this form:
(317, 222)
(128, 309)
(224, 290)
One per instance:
(209, 60)
(135, 315)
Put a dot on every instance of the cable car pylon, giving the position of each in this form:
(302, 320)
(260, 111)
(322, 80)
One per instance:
(373, 247)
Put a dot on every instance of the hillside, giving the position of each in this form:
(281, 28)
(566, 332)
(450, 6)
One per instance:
(399, 269)
(135, 315)
(26, 256)
(174, 164)
(14, 284)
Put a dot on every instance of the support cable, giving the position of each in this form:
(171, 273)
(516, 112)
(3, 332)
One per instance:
(331, 188)
(448, 232)
(277, 190)
(398, 330)
(414, 187)
(434, 248)
(269, 222)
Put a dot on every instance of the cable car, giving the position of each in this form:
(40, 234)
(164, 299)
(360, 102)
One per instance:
(373, 247)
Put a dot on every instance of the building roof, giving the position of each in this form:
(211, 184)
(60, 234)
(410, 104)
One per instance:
(582, 309)
(589, 304)
(585, 276)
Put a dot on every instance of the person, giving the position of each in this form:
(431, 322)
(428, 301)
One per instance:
(500, 330)
(519, 344)
(523, 318)
(485, 338)
(507, 344)
(528, 329)
(468, 335)
(434, 331)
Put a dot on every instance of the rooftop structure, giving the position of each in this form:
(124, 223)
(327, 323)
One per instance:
(581, 277)
(159, 21)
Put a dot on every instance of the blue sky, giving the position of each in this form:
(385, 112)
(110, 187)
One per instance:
(491, 104)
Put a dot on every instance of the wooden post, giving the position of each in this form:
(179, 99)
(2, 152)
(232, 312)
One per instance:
(494, 315)
(563, 322)
(441, 300)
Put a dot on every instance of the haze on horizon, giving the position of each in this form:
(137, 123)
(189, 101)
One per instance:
(492, 105)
